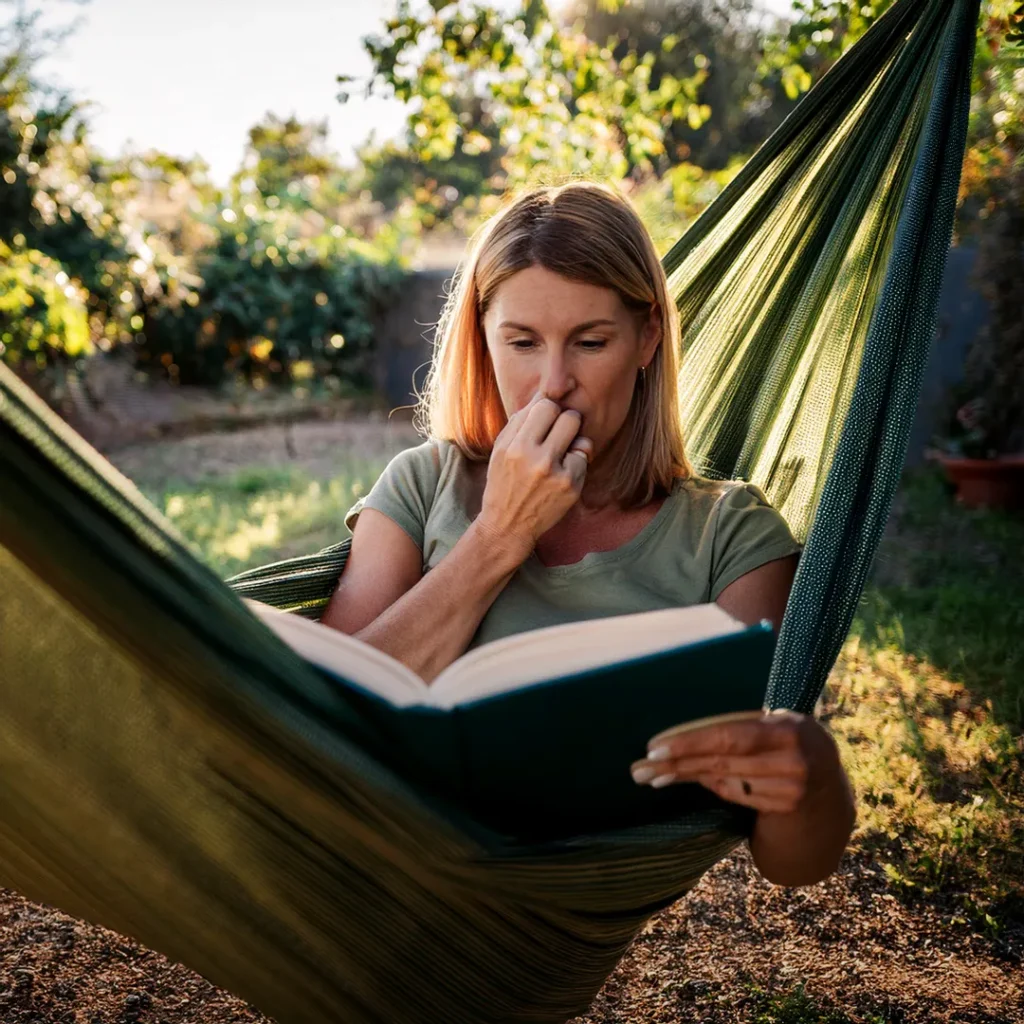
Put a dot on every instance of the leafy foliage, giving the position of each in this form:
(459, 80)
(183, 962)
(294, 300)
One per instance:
(828, 28)
(995, 139)
(823, 32)
(1015, 35)
(669, 204)
(282, 274)
(552, 100)
(288, 159)
(274, 294)
(58, 326)
(47, 202)
(725, 38)
(144, 251)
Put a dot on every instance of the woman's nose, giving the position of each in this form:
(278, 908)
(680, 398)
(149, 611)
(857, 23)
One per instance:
(558, 381)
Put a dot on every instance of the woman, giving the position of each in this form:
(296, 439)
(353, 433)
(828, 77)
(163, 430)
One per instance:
(557, 488)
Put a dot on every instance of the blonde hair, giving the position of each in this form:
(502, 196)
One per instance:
(587, 232)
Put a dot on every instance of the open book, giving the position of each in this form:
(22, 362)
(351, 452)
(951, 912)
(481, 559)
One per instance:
(535, 734)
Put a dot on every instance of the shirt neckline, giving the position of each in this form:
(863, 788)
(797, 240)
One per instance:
(600, 559)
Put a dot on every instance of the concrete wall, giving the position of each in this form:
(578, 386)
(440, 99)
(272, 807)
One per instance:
(963, 313)
(406, 336)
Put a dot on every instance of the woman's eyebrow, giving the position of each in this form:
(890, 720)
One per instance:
(576, 330)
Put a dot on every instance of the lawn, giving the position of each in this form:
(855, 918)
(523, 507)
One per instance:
(927, 703)
(260, 515)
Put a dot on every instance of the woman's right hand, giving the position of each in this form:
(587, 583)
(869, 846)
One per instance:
(535, 474)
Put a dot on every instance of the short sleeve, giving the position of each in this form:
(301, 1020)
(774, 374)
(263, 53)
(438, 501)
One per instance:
(404, 492)
(748, 533)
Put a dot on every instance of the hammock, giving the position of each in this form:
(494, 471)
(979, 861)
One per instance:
(170, 770)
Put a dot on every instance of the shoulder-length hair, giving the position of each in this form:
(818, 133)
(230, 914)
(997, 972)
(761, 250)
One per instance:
(586, 232)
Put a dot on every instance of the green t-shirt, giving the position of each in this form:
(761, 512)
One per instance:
(706, 534)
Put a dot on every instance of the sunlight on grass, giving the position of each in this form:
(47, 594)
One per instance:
(947, 588)
(939, 795)
(926, 703)
(263, 515)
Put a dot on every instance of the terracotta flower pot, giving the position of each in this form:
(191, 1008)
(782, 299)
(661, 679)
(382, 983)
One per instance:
(987, 483)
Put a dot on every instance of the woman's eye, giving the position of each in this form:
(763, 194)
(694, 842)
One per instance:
(591, 344)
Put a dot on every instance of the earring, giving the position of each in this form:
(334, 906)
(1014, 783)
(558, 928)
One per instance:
(643, 375)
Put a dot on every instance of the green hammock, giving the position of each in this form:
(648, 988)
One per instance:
(170, 770)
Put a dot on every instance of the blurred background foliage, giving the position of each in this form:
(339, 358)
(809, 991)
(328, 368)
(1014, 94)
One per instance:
(280, 276)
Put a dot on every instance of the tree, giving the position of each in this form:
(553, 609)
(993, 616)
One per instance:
(43, 309)
(143, 250)
(555, 101)
(825, 29)
(721, 36)
(994, 159)
(287, 158)
(397, 175)
(34, 118)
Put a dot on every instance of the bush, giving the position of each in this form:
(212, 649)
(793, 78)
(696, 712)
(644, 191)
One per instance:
(43, 318)
(275, 302)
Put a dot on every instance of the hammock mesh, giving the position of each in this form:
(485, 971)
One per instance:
(170, 770)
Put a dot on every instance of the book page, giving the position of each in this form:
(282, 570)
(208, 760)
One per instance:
(557, 651)
(344, 655)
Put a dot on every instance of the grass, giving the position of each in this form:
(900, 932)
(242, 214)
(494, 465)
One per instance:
(796, 1007)
(926, 700)
(261, 515)
(927, 705)
(948, 591)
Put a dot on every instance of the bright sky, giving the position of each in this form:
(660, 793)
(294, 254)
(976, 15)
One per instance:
(193, 76)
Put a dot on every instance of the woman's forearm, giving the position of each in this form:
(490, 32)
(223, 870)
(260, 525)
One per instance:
(805, 846)
(431, 625)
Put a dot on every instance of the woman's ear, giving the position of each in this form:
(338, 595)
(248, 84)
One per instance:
(650, 337)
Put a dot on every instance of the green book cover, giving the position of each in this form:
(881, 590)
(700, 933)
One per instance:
(553, 758)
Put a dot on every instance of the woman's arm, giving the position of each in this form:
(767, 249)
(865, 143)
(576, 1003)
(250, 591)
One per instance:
(425, 621)
(762, 593)
(804, 845)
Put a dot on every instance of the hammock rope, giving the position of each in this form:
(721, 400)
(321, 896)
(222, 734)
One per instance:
(170, 770)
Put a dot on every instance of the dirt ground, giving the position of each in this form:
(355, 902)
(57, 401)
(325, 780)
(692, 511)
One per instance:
(853, 945)
(316, 448)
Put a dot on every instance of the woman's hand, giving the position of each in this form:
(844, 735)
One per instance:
(786, 766)
(535, 474)
(775, 762)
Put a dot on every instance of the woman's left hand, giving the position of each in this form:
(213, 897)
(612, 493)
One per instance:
(773, 763)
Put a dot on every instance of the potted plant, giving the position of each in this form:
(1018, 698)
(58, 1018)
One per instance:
(982, 450)
(982, 475)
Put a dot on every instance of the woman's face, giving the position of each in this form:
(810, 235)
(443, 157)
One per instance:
(577, 343)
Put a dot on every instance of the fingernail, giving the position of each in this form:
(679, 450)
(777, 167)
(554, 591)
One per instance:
(644, 774)
(659, 754)
(662, 780)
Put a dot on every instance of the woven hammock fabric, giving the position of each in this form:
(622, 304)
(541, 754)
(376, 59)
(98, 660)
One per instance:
(171, 770)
